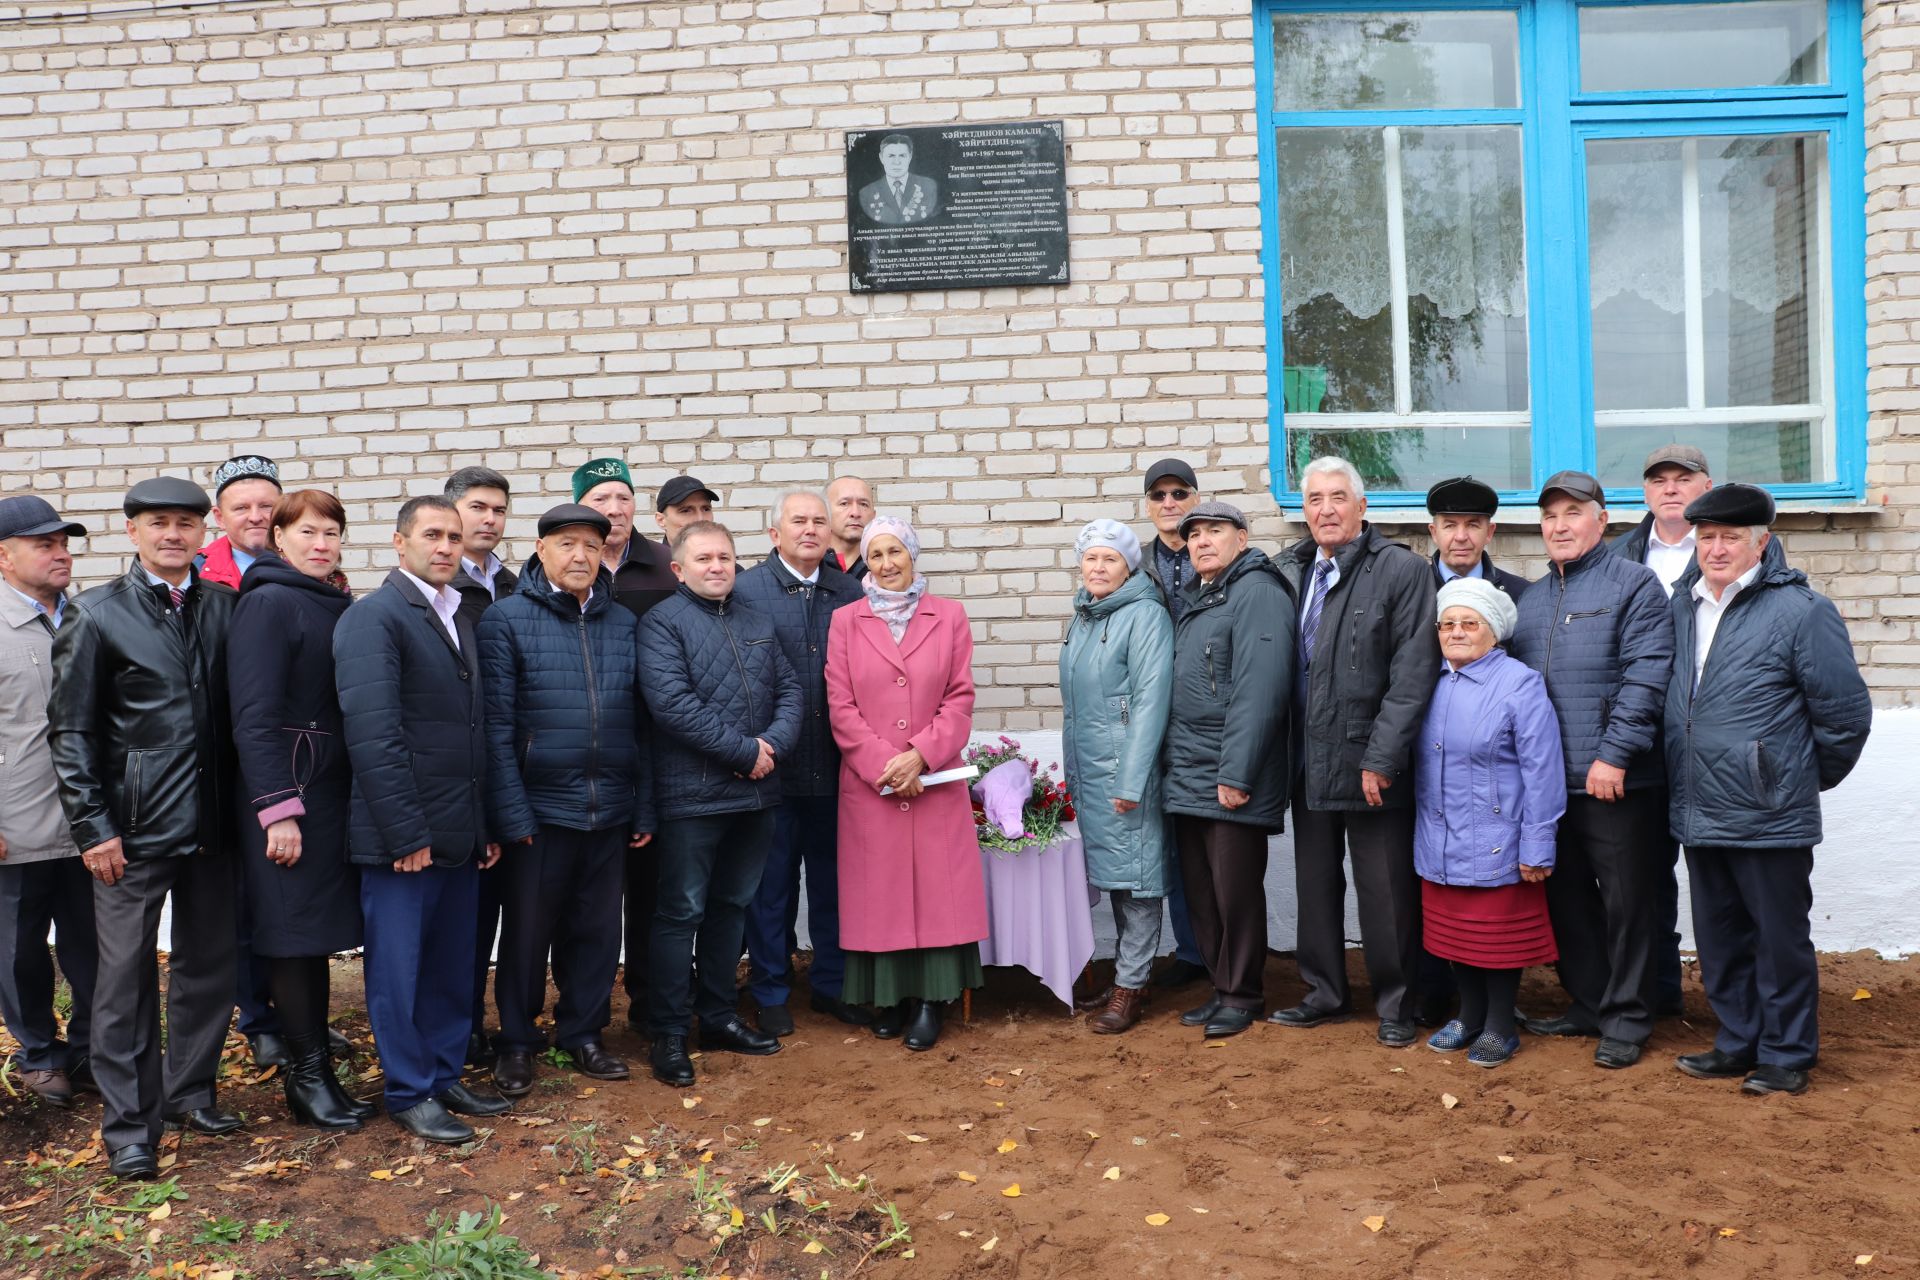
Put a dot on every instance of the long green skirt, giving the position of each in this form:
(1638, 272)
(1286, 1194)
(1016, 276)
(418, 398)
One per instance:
(925, 973)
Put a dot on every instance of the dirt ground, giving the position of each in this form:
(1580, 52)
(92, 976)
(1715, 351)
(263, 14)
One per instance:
(1026, 1147)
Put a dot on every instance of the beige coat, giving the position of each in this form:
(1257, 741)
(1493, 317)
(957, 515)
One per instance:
(30, 818)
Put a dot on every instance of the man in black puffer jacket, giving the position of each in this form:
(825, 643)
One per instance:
(569, 791)
(1598, 629)
(1766, 710)
(726, 708)
(799, 588)
(1368, 662)
(408, 669)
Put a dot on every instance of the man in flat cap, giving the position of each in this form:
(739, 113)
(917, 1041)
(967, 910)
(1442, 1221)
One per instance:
(1367, 665)
(1226, 755)
(1765, 711)
(569, 792)
(1462, 510)
(1597, 628)
(1673, 477)
(412, 711)
(138, 720)
(43, 884)
(1172, 490)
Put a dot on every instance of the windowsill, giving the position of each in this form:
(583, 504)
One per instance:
(1617, 517)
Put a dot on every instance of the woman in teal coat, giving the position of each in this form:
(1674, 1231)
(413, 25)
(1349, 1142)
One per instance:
(1116, 680)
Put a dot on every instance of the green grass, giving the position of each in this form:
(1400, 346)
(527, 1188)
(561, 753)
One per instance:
(469, 1248)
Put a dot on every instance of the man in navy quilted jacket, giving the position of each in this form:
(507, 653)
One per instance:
(1597, 627)
(726, 710)
(569, 791)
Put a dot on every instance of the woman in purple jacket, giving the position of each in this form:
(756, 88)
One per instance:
(1490, 792)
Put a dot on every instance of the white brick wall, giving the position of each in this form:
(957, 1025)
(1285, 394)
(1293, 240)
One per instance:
(381, 241)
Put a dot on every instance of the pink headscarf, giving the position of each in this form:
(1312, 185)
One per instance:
(895, 608)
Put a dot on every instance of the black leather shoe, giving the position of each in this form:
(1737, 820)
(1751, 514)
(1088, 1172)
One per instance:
(735, 1036)
(923, 1028)
(591, 1059)
(1181, 973)
(461, 1100)
(1768, 1078)
(513, 1073)
(834, 1007)
(1396, 1033)
(338, 1045)
(1713, 1065)
(670, 1062)
(1305, 1015)
(1200, 1015)
(1615, 1054)
(1558, 1025)
(480, 1052)
(889, 1021)
(270, 1050)
(1228, 1021)
(211, 1121)
(133, 1162)
(775, 1020)
(429, 1121)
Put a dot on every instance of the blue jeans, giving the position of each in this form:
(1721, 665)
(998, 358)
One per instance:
(709, 870)
(806, 833)
(419, 974)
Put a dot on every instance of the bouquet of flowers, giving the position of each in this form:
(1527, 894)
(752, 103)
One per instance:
(1017, 805)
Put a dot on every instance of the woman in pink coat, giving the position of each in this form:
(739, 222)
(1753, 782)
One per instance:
(913, 900)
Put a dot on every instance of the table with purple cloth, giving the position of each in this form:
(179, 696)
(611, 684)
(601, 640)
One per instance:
(1040, 912)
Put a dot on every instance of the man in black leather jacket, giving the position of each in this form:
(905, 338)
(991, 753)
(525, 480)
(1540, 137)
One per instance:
(136, 718)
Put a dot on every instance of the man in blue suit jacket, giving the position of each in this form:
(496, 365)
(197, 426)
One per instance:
(408, 670)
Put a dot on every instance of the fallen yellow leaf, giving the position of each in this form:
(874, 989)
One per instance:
(1506, 1159)
(914, 1137)
(964, 1176)
(381, 1175)
(706, 1157)
(1158, 1219)
(1006, 1146)
(1861, 993)
(1374, 1223)
(736, 1217)
(1112, 1174)
(1092, 1134)
(988, 1246)
(1011, 1192)
(689, 1103)
(402, 1170)
(813, 1246)
(161, 1212)
(1197, 1209)
(1864, 1260)
(763, 1122)
(1728, 1233)
(856, 1135)
(1448, 1101)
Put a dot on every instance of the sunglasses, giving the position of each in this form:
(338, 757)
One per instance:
(1178, 495)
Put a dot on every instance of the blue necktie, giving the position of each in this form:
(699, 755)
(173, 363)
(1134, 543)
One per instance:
(1310, 625)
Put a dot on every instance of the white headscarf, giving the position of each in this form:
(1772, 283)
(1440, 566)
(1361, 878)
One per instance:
(895, 608)
(1109, 533)
(1493, 605)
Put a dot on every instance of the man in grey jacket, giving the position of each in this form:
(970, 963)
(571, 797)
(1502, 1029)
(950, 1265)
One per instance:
(1765, 711)
(1598, 630)
(43, 884)
(1367, 665)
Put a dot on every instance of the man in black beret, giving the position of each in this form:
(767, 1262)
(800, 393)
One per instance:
(1463, 509)
(1765, 711)
(569, 790)
(138, 722)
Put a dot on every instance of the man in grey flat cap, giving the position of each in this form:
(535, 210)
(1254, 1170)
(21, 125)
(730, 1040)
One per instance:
(137, 721)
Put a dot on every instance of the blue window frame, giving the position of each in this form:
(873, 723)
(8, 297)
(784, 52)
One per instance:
(1510, 238)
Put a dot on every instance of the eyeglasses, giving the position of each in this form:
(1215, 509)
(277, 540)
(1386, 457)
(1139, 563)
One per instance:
(1469, 625)
(1178, 495)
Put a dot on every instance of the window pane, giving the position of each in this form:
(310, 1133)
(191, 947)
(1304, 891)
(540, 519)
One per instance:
(1751, 452)
(1635, 48)
(1329, 61)
(1412, 459)
(1761, 254)
(1337, 330)
(1637, 293)
(1466, 269)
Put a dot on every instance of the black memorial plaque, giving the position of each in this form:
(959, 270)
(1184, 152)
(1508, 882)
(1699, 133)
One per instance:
(957, 207)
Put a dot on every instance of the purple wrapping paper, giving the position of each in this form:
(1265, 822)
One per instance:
(1040, 912)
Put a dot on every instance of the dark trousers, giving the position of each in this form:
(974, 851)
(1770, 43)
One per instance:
(253, 991)
(642, 898)
(1185, 946)
(1600, 897)
(490, 894)
(709, 870)
(1224, 865)
(139, 1081)
(562, 898)
(34, 897)
(1750, 919)
(1380, 842)
(806, 835)
(419, 974)
(1665, 959)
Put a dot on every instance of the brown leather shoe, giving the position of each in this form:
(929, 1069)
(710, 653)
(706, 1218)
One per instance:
(1099, 999)
(1122, 1011)
(51, 1087)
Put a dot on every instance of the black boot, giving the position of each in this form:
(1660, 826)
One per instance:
(355, 1106)
(308, 1096)
(888, 1020)
(923, 1028)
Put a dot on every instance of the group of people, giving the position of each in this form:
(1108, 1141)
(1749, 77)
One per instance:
(1509, 768)
(634, 745)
